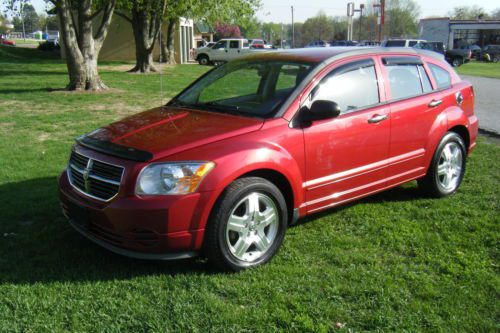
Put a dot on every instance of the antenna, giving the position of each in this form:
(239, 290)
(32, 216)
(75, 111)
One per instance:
(161, 70)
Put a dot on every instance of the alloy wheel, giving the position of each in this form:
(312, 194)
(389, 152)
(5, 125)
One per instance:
(449, 168)
(252, 227)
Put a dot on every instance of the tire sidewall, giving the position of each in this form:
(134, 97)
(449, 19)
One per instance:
(203, 60)
(228, 203)
(447, 138)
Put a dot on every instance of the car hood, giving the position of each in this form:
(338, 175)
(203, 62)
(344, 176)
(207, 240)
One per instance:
(168, 130)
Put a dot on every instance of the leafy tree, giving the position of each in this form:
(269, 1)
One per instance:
(319, 27)
(226, 30)
(251, 27)
(401, 18)
(16, 9)
(48, 22)
(468, 13)
(83, 39)
(30, 18)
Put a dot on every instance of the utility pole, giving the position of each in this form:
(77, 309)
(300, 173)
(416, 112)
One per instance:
(293, 32)
(361, 7)
(350, 14)
(281, 36)
(380, 18)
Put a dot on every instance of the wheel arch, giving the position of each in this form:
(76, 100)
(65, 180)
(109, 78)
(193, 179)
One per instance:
(281, 182)
(463, 132)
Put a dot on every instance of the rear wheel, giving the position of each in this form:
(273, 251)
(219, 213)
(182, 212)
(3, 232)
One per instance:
(496, 59)
(457, 61)
(247, 226)
(447, 167)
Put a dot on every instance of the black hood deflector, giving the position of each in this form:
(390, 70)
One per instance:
(113, 149)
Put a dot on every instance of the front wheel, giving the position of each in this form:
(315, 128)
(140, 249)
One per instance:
(247, 226)
(203, 60)
(447, 167)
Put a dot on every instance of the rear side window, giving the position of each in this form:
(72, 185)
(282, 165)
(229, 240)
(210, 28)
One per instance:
(351, 86)
(404, 80)
(441, 76)
(234, 44)
(412, 43)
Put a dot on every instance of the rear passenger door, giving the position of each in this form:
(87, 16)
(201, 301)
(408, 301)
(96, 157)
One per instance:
(414, 106)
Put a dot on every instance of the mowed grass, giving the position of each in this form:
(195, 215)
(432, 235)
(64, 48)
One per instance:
(480, 68)
(392, 262)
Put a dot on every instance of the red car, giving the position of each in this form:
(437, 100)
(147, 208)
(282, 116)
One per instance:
(7, 42)
(253, 145)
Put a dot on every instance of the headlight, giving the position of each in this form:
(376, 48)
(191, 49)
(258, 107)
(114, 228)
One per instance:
(172, 178)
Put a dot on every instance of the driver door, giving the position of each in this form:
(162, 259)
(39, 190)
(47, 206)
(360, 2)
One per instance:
(346, 156)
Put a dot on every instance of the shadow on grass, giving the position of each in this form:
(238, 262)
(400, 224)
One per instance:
(38, 245)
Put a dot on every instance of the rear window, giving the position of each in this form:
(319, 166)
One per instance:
(391, 43)
(441, 76)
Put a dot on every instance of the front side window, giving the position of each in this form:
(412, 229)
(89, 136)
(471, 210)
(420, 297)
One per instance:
(441, 76)
(351, 86)
(246, 88)
(220, 45)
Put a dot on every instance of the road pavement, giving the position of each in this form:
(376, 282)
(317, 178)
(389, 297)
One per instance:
(487, 102)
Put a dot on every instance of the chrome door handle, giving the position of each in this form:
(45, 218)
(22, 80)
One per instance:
(377, 119)
(434, 103)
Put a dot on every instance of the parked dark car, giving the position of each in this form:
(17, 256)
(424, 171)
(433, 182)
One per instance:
(475, 50)
(490, 53)
(458, 57)
(261, 141)
(318, 43)
(344, 43)
(431, 46)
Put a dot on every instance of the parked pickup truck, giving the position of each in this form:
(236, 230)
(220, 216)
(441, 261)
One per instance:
(223, 51)
(457, 57)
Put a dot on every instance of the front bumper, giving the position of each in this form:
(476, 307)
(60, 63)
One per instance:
(162, 228)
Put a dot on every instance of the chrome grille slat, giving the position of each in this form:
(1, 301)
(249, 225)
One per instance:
(94, 178)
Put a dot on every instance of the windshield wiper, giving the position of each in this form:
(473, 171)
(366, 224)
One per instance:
(223, 107)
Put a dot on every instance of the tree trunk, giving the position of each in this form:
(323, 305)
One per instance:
(167, 44)
(146, 25)
(80, 45)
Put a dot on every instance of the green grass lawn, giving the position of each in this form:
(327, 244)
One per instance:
(480, 68)
(392, 262)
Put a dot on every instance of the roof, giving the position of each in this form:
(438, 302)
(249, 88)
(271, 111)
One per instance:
(329, 54)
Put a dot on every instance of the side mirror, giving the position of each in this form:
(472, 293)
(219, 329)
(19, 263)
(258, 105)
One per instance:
(320, 110)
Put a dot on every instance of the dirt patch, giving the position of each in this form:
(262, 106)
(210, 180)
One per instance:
(68, 92)
(6, 127)
(43, 137)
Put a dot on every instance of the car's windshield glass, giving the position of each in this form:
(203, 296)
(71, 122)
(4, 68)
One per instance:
(248, 88)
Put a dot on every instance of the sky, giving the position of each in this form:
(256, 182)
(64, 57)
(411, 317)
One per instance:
(279, 10)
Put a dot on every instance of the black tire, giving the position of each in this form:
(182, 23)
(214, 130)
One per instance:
(456, 62)
(203, 60)
(431, 183)
(216, 243)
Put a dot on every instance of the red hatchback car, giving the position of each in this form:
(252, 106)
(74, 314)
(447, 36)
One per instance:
(257, 143)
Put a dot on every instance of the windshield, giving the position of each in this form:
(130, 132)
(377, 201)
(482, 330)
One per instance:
(248, 88)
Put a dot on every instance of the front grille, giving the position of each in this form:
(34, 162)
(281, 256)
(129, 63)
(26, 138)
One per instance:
(94, 178)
